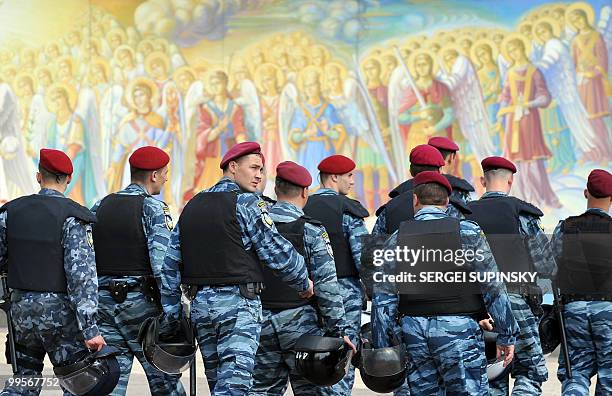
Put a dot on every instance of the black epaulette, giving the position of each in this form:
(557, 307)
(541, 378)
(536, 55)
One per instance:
(527, 208)
(403, 187)
(380, 210)
(355, 208)
(460, 205)
(458, 183)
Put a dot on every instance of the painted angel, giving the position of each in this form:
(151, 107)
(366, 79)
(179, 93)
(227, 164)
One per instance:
(352, 102)
(244, 93)
(16, 169)
(565, 118)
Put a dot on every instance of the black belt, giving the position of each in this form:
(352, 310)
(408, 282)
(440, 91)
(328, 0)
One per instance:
(522, 288)
(248, 290)
(568, 298)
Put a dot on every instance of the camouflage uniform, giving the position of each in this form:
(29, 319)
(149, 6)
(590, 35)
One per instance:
(588, 325)
(350, 288)
(529, 366)
(274, 364)
(228, 325)
(446, 353)
(55, 323)
(120, 322)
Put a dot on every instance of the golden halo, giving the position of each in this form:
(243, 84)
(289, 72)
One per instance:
(446, 48)
(102, 62)
(117, 31)
(580, 6)
(373, 59)
(339, 66)
(439, 43)
(268, 69)
(326, 54)
(24, 76)
(156, 56)
(142, 43)
(483, 42)
(71, 62)
(184, 70)
(524, 24)
(69, 89)
(434, 66)
(214, 73)
(138, 82)
(556, 28)
(306, 73)
(45, 69)
(513, 37)
(413, 42)
(127, 48)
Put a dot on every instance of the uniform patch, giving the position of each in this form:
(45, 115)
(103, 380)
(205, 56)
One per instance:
(89, 234)
(169, 223)
(267, 219)
(325, 237)
(262, 204)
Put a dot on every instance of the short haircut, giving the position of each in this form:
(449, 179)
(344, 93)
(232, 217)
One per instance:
(446, 153)
(139, 175)
(499, 173)
(49, 176)
(431, 194)
(415, 169)
(287, 189)
(324, 177)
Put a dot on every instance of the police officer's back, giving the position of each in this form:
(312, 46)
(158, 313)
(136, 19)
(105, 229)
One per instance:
(46, 246)
(130, 240)
(286, 315)
(582, 246)
(519, 245)
(439, 320)
(222, 237)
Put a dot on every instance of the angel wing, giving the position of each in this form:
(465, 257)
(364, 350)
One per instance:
(195, 96)
(558, 69)
(37, 123)
(468, 106)
(605, 28)
(503, 65)
(87, 109)
(17, 168)
(287, 106)
(249, 101)
(112, 112)
(397, 87)
(367, 127)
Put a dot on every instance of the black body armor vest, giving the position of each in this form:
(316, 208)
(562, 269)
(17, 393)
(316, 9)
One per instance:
(328, 209)
(585, 268)
(436, 299)
(119, 239)
(277, 295)
(499, 219)
(211, 243)
(34, 233)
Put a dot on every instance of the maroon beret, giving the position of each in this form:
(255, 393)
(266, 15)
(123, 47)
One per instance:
(490, 163)
(424, 154)
(443, 143)
(240, 150)
(432, 177)
(336, 165)
(294, 173)
(149, 158)
(599, 183)
(55, 161)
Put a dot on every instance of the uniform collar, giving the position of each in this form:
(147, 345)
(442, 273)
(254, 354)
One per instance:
(228, 184)
(326, 191)
(494, 194)
(289, 207)
(137, 188)
(597, 211)
(51, 192)
(430, 210)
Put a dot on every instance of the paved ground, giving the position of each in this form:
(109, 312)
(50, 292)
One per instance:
(138, 383)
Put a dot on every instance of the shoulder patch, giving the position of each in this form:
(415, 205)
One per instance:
(89, 234)
(328, 246)
(262, 204)
(267, 220)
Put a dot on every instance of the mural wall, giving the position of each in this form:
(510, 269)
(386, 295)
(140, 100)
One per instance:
(369, 79)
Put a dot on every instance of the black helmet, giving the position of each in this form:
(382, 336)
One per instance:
(550, 335)
(382, 370)
(323, 361)
(92, 374)
(171, 354)
(495, 367)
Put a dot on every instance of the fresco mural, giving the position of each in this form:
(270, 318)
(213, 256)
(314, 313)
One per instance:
(369, 79)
